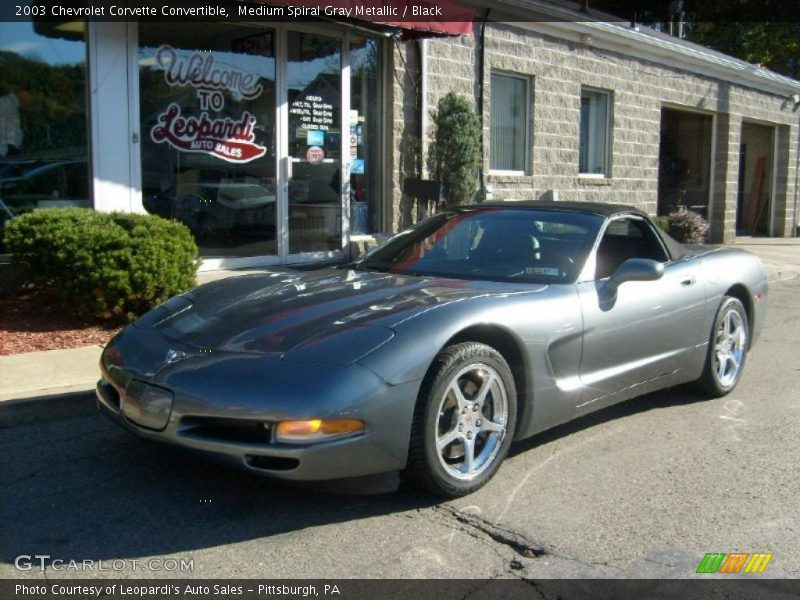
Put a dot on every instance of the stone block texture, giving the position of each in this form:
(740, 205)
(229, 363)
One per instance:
(557, 69)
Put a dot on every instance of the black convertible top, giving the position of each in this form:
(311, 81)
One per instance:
(596, 208)
(675, 248)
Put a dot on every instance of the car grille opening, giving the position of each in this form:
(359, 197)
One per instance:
(271, 463)
(227, 430)
(109, 393)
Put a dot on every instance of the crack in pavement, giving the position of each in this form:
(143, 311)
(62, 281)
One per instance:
(518, 542)
(475, 526)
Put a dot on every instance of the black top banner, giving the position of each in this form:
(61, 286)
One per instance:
(401, 11)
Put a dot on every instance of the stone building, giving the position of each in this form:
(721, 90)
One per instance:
(610, 112)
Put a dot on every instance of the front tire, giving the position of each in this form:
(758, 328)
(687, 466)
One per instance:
(727, 349)
(464, 421)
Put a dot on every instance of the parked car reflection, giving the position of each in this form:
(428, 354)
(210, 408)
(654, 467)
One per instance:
(26, 184)
(218, 210)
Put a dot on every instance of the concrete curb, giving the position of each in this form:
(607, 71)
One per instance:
(49, 373)
(49, 385)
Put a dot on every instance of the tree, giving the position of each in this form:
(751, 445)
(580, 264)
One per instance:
(455, 154)
(771, 44)
(763, 32)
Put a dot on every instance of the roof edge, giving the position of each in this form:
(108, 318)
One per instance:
(620, 36)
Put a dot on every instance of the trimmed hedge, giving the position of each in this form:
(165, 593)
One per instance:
(112, 266)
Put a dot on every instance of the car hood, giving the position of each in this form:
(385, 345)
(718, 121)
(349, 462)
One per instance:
(276, 312)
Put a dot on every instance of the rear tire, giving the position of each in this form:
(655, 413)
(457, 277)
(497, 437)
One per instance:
(464, 421)
(727, 349)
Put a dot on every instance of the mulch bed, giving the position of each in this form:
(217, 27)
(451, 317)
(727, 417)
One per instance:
(28, 323)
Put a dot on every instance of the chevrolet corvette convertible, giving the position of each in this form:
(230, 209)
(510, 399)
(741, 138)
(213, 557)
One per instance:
(432, 353)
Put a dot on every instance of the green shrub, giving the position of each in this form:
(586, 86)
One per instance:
(662, 223)
(113, 266)
(455, 154)
(688, 227)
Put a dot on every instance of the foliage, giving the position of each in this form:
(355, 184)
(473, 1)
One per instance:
(774, 45)
(662, 222)
(112, 266)
(766, 32)
(687, 227)
(52, 102)
(455, 153)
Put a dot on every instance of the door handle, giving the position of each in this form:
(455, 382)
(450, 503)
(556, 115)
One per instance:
(688, 282)
(286, 164)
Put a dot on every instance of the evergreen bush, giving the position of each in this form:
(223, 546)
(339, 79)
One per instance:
(111, 266)
(688, 227)
(455, 152)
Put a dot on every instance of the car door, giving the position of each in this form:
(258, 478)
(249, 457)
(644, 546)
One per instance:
(648, 329)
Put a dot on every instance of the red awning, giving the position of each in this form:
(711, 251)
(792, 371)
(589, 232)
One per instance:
(417, 17)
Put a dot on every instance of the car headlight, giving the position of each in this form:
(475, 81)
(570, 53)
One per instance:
(147, 405)
(316, 430)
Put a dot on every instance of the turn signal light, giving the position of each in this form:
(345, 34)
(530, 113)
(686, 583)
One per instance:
(316, 430)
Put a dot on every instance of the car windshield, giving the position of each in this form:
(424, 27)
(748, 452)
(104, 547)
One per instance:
(496, 244)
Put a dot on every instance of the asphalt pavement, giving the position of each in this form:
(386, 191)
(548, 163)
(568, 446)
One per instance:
(642, 489)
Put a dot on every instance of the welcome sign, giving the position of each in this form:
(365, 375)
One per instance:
(230, 139)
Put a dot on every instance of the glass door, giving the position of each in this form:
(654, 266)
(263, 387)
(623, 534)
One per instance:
(265, 141)
(313, 162)
(207, 109)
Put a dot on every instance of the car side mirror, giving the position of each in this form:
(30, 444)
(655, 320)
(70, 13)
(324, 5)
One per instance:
(633, 269)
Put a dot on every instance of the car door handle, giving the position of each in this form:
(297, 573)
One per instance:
(688, 282)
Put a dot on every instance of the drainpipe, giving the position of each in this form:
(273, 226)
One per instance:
(796, 218)
(423, 105)
(481, 72)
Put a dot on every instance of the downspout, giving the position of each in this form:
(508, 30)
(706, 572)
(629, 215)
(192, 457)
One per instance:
(423, 106)
(481, 73)
(796, 218)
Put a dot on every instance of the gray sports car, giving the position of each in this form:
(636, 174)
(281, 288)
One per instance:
(432, 353)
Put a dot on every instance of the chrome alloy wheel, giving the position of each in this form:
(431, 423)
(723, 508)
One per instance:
(730, 344)
(472, 421)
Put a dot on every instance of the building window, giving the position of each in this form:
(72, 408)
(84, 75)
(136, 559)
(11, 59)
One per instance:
(595, 138)
(510, 118)
(44, 152)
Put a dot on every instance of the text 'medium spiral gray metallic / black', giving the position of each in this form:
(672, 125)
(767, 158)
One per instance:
(432, 353)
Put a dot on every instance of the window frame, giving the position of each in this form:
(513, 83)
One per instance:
(528, 80)
(589, 271)
(609, 116)
(587, 274)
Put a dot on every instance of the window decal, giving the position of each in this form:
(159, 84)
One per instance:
(230, 139)
(224, 138)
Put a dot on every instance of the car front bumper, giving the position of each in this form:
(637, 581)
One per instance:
(227, 407)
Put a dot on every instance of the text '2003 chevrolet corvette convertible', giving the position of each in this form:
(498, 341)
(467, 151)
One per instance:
(432, 353)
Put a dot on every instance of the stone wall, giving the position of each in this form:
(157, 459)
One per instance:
(404, 128)
(557, 69)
